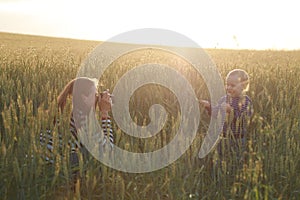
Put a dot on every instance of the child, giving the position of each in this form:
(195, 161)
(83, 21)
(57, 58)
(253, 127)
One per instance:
(84, 100)
(238, 109)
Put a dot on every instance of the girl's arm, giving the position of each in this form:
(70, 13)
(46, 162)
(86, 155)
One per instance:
(206, 105)
(105, 104)
(214, 110)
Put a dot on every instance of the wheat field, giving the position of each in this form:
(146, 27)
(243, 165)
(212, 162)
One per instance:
(33, 71)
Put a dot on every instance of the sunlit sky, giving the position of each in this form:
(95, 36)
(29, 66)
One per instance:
(238, 24)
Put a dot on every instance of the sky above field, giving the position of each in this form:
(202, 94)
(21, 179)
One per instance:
(238, 24)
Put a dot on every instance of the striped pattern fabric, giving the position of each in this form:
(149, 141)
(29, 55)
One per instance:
(242, 111)
(46, 137)
(235, 125)
(108, 132)
(236, 121)
(73, 128)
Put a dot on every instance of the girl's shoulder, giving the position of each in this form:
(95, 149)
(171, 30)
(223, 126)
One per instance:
(248, 99)
(227, 98)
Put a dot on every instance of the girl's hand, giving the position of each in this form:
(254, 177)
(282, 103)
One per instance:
(205, 103)
(228, 108)
(105, 103)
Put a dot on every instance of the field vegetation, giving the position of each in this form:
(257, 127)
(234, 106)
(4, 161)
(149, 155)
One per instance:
(33, 71)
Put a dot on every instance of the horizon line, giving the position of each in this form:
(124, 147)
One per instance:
(118, 42)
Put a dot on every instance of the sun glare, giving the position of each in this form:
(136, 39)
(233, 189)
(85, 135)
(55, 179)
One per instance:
(212, 24)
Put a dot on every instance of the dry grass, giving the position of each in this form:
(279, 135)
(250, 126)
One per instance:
(33, 70)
